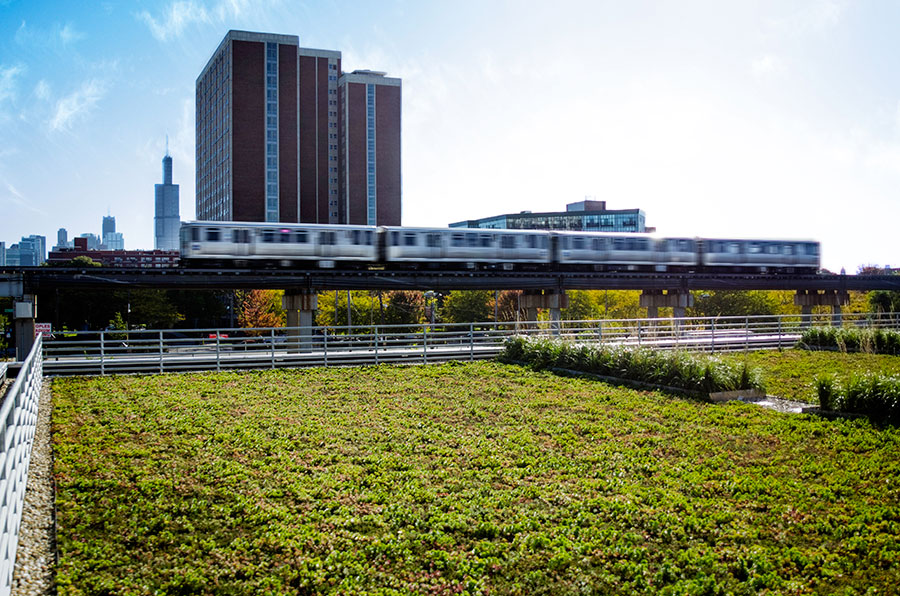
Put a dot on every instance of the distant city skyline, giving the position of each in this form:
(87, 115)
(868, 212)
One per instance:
(763, 119)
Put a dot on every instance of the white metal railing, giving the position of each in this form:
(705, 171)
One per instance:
(158, 351)
(19, 418)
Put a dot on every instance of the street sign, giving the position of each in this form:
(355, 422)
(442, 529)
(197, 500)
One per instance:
(45, 328)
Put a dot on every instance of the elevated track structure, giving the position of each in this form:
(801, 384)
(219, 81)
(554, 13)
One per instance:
(543, 289)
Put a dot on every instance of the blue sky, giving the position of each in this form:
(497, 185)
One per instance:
(750, 119)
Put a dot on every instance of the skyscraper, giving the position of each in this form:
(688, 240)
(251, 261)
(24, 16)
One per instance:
(62, 238)
(269, 137)
(370, 148)
(109, 226)
(167, 221)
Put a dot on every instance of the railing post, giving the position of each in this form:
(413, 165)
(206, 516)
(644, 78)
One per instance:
(102, 352)
(218, 367)
(639, 333)
(325, 346)
(471, 342)
(272, 337)
(425, 344)
(747, 334)
(779, 332)
(600, 333)
(713, 337)
(376, 344)
(161, 367)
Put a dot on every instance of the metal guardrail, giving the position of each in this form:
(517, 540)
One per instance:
(19, 417)
(159, 351)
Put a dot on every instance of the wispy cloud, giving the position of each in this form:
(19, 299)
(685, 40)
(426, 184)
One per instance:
(8, 76)
(78, 103)
(18, 199)
(42, 90)
(69, 34)
(767, 66)
(175, 19)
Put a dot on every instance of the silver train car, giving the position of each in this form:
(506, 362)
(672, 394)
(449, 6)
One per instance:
(245, 244)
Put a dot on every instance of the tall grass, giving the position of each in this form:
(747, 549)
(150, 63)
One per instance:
(671, 369)
(876, 396)
(868, 340)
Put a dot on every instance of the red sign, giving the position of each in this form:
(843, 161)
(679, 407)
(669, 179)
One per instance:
(45, 328)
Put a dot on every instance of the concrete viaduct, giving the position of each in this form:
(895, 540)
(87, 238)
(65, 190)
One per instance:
(541, 289)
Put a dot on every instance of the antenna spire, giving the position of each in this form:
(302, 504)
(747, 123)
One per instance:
(167, 144)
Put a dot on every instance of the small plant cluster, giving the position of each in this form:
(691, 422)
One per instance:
(876, 396)
(868, 340)
(670, 369)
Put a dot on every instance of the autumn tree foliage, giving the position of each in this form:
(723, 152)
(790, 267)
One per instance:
(261, 308)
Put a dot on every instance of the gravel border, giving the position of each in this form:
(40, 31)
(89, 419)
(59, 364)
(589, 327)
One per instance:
(35, 568)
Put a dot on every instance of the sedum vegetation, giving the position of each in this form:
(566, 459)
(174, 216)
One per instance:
(460, 479)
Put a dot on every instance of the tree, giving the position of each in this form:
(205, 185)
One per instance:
(468, 306)
(508, 305)
(403, 307)
(261, 308)
(720, 303)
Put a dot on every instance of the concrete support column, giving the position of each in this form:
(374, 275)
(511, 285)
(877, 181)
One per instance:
(532, 300)
(677, 300)
(300, 306)
(837, 315)
(24, 313)
(807, 299)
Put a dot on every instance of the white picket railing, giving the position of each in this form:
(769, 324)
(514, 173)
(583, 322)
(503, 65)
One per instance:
(158, 351)
(19, 418)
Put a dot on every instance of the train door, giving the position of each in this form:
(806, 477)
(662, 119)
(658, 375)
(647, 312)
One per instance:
(509, 247)
(327, 243)
(240, 242)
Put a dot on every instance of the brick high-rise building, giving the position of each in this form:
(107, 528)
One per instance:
(370, 148)
(270, 136)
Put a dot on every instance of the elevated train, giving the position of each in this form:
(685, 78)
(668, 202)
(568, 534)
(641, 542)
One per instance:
(245, 244)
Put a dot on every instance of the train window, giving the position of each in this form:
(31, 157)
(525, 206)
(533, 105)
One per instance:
(507, 241)
(235, 236)
(369, 238)
(395, 238)
(327, 238)
(486, 240)
(434, 240)
(212, 234)
(471, 239)
(812, 249)
(268, 236)
(409, 239)
(354, 236)
(578, 243)
(458, 240)
(195, 234)
(788, 249)
(642, 244)
(285, 236)
(619, 244)
(597, 244)
(532, 241)
(734, 248)
(772, 249)
(755, 248)
(301, 238)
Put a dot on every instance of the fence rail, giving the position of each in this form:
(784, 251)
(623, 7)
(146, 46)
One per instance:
(158, 351)
(19, 417)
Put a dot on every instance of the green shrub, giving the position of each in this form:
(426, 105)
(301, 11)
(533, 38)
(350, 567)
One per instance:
(671, 369)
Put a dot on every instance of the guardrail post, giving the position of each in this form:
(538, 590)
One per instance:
(712, 337)
(639, 333)
(425, 344)
(161, 366)
(600, 333)
(218, 367)
(779, 333)
(376, 345)
(325, 346)
(272, 337)
(471, 342)
(102, 352)
(746, 334)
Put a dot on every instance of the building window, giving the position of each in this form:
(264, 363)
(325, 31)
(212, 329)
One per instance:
(272, 132)
(371, 192)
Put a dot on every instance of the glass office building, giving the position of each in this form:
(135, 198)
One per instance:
(585, 216)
